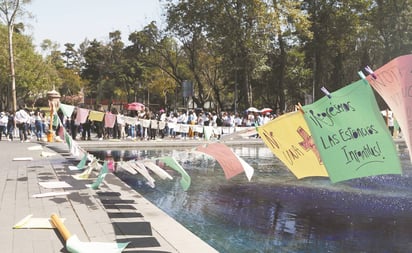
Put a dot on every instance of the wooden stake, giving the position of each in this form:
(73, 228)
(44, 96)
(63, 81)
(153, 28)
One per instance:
(61, 227)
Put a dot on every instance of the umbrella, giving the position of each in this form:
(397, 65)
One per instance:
(252, 109)
(135, 106)
(266, 110)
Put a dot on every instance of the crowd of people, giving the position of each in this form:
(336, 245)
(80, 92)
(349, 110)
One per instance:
(149, 125)
(136, 125)
(23, 124)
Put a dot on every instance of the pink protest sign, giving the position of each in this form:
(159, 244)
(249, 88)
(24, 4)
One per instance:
(394, 84)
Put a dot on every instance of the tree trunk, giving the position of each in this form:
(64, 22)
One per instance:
(317, 73)
(246, 87)
(10, 13)
(12, 71)
(281, 79)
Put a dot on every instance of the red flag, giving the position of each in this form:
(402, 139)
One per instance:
(225, 157)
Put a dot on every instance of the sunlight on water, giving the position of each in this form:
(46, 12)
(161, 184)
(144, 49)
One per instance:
(275, 212)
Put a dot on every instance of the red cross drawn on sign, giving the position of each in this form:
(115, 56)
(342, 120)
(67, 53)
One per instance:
(307, 143)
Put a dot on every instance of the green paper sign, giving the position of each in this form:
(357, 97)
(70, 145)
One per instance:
(82, 162)
(68, 139)
(102, 174)
(172, 163)
(351, 135)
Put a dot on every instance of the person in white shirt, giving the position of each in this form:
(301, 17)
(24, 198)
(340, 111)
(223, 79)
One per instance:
(182, 119)
(391, 123)
(162, 124)
(214, 118)
(172, 123)
(266, 118)
(238, 120)
(22, 118)
(121, 125)
(3, 124)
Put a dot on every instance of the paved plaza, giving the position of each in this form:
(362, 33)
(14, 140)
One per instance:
(113, 213)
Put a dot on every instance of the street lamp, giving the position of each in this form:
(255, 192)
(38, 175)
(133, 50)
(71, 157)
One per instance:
(54, 103)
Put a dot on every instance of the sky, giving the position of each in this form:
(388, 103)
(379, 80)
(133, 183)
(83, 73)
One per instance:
(72, 21)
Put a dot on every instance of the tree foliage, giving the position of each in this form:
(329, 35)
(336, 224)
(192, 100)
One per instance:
(9, 11)
(34, 75)
(237, 53)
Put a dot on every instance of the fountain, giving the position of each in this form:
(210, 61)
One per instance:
(275, 212)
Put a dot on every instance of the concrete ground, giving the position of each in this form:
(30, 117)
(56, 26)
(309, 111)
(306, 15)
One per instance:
(113, 213)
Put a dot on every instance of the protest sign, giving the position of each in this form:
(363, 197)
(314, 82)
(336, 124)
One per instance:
(351, 135)
(289, 138)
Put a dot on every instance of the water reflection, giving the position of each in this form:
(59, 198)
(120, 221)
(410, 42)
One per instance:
(278, 213)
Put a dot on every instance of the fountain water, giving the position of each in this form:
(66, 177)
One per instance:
(275, 212)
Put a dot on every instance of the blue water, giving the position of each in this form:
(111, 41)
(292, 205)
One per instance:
(275, 212)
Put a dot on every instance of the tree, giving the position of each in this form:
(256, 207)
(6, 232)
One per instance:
(236, 33)
(96, 70)
(288, 24)
(241, 53)
(9, 10)
(34, 74)
(152, 56)
(333, 53)
(71, 57)
(390, 34)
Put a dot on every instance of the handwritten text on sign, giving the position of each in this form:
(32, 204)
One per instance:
(394, 85)
(289, 138)
(350, 133)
